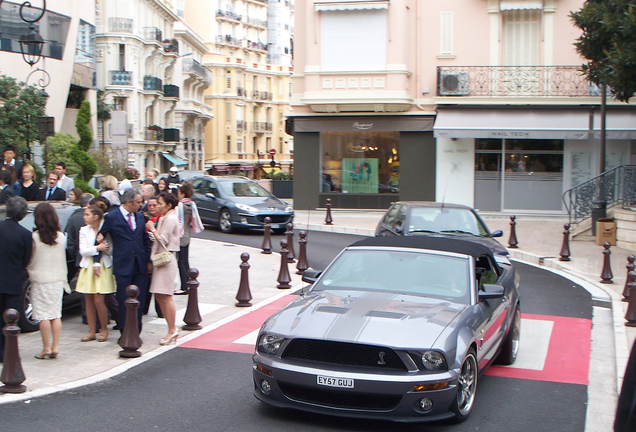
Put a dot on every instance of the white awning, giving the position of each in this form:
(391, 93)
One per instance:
(340, 5)
(541, 123)
(619, 124)
(520, 5)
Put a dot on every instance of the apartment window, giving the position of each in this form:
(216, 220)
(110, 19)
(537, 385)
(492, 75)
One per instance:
(228, 79)
(228, 112)
(268, 144)
(239, 146)
(122, 57)
(446, 34)
(119, 104)
(229, 144)
(521, 37)
(353, 40)
(280, 145)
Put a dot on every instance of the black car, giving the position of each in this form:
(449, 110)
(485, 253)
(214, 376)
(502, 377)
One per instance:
(232, 202)
(411, 218)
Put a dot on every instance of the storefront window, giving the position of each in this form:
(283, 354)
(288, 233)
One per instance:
(360, 162)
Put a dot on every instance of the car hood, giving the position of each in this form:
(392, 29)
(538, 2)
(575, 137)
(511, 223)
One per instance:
(376, 318)
(262, 203)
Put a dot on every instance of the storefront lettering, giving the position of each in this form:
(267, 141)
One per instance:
(362, 126)
(510, 134)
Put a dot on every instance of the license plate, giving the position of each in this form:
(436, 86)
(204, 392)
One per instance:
(334, 382)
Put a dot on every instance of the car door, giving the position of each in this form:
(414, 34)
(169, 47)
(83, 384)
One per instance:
(204, 202)
(387, 225)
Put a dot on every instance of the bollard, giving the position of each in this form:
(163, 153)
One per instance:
(512, 241)
(12, 374)
(291, 255)
(606, 273)
(328, 219)
(630, 267)
(565, 249)
(267, 238)
(244, 295)
(130, 340)
(192, 316)
(283, 275)
(630, 315)
(302, 253)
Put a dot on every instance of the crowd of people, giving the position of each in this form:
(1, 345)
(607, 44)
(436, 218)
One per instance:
(108, 242)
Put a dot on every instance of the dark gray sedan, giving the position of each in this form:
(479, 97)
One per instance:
(396, 328)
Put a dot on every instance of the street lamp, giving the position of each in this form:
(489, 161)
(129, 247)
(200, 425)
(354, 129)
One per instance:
(31, 46)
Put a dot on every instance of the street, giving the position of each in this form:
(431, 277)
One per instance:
(205, 384)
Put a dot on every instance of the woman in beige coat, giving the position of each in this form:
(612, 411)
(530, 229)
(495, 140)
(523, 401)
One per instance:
(166, 234)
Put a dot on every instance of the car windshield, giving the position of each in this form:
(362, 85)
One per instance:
(445, 220)
(243, 189)
(403, 272)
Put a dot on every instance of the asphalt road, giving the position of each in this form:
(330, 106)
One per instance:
(206, 390)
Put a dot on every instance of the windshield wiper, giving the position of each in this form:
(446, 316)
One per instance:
(457, 232)
(423, 230)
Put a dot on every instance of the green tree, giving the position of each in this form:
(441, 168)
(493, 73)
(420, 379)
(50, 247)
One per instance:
(59, 150)
(608, 43)
(20, 110)
(78, 152)
(103, 113)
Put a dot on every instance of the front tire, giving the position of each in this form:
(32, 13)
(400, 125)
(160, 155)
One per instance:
(26, 321)
(225, 221)
(466, 387)
(510, 347)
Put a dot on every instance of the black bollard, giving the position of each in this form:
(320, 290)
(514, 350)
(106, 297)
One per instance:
(606, 273)
(512, 241)
(565, 249)
(630, 267)
(302, 253)
(244, 295)
(192, 316)
(283, 275)
(630, 315)
(12, 374)
(267, 238)
(291, 255)
(130, 340)
(328, 219)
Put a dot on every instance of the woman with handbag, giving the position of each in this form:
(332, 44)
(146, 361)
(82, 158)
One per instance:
(166, 243)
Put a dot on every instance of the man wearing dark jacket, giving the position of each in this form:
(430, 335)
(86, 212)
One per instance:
(15, 254)
(52, 192)
(6, 191)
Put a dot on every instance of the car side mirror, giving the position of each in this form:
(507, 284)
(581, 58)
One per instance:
(310, 276)
(491, 291)
(398, 229)
(210, 195)
(498, 233)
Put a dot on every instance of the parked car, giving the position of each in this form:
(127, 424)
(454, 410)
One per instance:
(232, 202)
(64, 211)
(412, 218)
(396, 328)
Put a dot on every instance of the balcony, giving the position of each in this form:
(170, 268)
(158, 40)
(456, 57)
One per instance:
(171, 91)
(193, 67)
(171, 46)
(261, 95)
(120, 25)
(257, 46)
(255, 22)
(240, 91)
(261, 127)
(152, 83)
(152, 34)
(153, 133)
(231, 16)
(240, 125)
(116, 77)
(171, 135)
(513, 81)
(228, 40)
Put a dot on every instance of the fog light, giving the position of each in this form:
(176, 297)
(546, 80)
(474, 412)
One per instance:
(267, 389)
(426, 404)
(244, 220)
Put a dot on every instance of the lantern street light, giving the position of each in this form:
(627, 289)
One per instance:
(31, 46)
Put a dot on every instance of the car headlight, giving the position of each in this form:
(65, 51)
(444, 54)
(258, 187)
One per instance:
(246, 208)
(433, 360)
(289, 209)
(269, 343)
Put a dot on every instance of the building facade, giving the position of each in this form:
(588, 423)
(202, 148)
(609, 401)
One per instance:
(402, 99)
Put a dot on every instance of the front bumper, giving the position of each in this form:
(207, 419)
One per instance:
(247, 220)
(389, 396)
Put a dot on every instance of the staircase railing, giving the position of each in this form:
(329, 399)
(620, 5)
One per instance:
(613, 187)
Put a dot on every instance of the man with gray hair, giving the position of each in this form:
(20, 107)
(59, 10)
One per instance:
(131, 250)
(15, 254)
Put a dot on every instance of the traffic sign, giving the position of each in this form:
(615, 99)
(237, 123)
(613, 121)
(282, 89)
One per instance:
(272, 151)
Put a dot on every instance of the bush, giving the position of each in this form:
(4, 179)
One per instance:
(60, 146)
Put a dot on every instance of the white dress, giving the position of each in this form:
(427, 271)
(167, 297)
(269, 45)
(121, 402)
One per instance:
(47, 272)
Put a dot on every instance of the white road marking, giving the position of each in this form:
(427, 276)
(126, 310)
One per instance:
(534, 341)
(248, 339)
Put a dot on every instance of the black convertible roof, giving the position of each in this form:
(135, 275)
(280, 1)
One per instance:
(439, 243)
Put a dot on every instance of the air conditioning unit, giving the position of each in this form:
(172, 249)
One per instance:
(452, 83)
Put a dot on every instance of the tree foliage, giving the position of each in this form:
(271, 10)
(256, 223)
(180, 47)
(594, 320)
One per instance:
(608, 43)
(60, 146)
(78, 152)
(21, 109)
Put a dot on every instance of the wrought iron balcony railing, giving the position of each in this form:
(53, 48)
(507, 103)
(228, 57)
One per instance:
(261, 127)
(228, 40)
(513, 81)
(612, 187)
(116, 77)
(190, 65)
(171, 90)
(240, 125)
(153, 83)
(228, 15)
(153, 133)
(171, 135)
(153, 34)
(120, 25)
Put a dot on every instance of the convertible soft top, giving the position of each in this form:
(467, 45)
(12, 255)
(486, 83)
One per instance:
(439, 243)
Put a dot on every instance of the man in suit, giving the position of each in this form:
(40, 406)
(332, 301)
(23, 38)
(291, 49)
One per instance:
(51, 192)
(64, 182)
(6, 191)
(15, 254)
(10, 161)
(131, 250)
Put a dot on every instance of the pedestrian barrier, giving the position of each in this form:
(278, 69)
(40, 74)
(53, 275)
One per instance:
(12, 374)
(291, 255)
(565, 248)
(244, 295)
(512, 240)
(302, 253)
(192, 317)
(606, 272)
(267, 238)
(630, 267)
(284, 277)
(630, 315)
(130, 340)
(328, 218)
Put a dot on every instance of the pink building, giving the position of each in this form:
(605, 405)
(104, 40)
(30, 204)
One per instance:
(478, 102)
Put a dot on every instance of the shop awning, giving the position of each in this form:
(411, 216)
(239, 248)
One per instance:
(619, 124)
(174, 159)
(339, 5)
(539, 123)
(270, 170)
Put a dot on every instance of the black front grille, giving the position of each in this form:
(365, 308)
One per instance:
(342, 353)
(340, 399)
(275, 218)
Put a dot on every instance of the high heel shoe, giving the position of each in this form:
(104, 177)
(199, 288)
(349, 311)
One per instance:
(44, 355)
(172, 338)
(53, 354)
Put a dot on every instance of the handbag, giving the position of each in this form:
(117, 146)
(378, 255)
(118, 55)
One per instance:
(160, 259)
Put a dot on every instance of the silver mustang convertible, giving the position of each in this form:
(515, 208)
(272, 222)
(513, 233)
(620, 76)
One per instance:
(396, 328)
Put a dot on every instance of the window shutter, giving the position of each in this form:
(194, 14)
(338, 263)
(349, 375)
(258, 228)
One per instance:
(446, 33)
